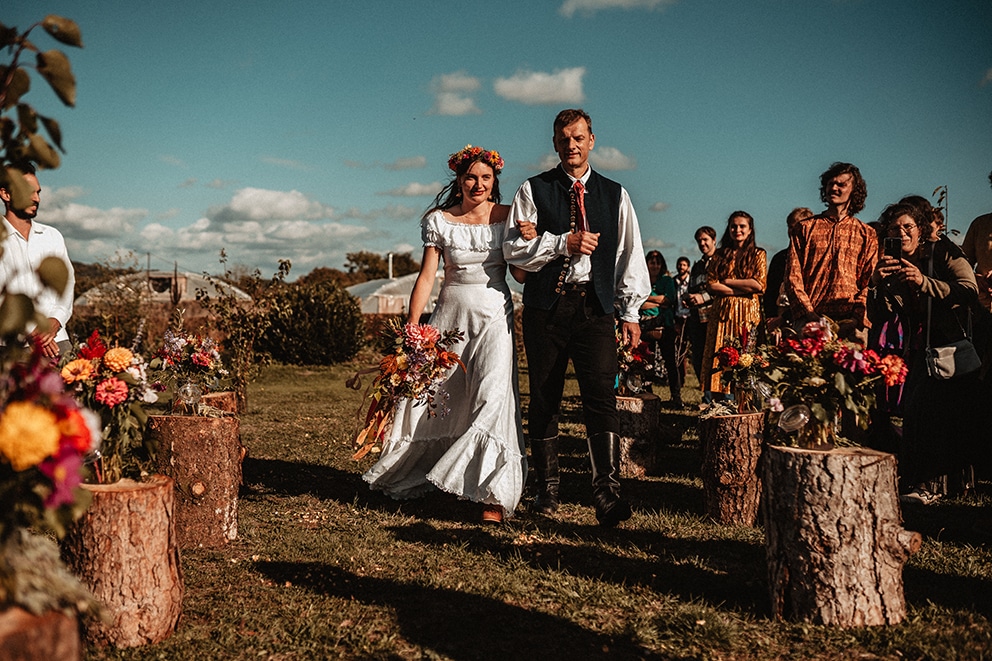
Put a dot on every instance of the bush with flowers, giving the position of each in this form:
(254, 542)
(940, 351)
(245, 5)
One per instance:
(113, 382)
(810, 379)
(420, 360)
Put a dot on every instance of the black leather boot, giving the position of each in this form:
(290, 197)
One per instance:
(544, 454)
(604, 453)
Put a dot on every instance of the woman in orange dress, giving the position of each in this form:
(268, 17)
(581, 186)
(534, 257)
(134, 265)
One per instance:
(736, 279)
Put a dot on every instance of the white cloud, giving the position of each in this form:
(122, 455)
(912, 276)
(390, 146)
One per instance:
(391, 212)
(414, 189)
(261, 204)
(651, 243)
(563, 86)
(660, 206)
(589, 7)
(172, 160)
(453, 94)
(80, 222)
(411, 163)
(988, 78)
(611, 159)
(218, 184)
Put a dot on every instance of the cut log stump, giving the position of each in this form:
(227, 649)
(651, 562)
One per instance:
(834, 537)
(225, 400)
(639, 434)
(124, 550)
(53, 636)
(731, 448)
(203, 455)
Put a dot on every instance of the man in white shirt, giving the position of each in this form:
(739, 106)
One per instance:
(586, 262)
(27, 243)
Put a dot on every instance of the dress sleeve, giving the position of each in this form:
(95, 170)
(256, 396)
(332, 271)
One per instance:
(429, 231)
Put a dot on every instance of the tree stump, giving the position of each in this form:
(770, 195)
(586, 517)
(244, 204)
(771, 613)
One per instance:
(124, 550)
(203, 456)
(49, 637)
(639, 434)
(225, 400)
(731, 447)
(834, 536)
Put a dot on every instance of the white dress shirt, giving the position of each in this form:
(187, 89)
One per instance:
(633, 284)
(18, 270)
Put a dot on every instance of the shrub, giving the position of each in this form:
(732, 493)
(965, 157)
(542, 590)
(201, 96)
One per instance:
(316, 324)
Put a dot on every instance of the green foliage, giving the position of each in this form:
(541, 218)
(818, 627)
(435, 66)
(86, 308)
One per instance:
(316, 324)
(19, 122)
(243, 323)
(373, 266)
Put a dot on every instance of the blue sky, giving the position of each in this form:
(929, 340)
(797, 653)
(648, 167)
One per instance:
(307, 130)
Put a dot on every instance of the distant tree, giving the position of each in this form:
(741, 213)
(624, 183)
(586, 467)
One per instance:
(374, 266)
(323, 274)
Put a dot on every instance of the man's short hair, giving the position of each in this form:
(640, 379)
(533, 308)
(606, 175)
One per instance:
(990, 178)
(569, 116)
(705, 229)
(683, 258)
(859, 193)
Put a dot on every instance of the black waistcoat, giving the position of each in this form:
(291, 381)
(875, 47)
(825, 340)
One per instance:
(553, 201)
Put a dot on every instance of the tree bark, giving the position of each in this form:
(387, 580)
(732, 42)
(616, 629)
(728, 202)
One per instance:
(124, 550)
(226, 401)
(731, 447)
(639, 434)
(203, 455)
(53, 636)
(834, 537)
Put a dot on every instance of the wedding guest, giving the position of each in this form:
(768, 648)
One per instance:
(658, 321)
(775, 301)
(831, 256)
(27, 244)
(476, 450)
(586, 262)
(735, 278)
(682, 312)
(977, 247)
(700, 303)
(931, 287)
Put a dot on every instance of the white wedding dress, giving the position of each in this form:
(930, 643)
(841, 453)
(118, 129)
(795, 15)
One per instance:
(476, 450)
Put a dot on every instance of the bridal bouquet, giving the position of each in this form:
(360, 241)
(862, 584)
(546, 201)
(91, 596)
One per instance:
(420, 359)
(113, 382)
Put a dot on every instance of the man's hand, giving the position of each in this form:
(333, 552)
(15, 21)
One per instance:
(581, 243)
(630, 333)
(47, 338)
(528, 231)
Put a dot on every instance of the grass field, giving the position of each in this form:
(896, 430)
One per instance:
(325, 569)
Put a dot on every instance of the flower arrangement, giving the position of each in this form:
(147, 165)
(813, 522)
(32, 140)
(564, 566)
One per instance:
(635, 367)
(44, 436)
(188, 363)
(420, 360)
(469, 153)
(811, 379)
(741, 365)
(113, 382)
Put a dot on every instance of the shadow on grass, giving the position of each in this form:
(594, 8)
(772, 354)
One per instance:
(955, 592)
(690, 570)
(455, 624)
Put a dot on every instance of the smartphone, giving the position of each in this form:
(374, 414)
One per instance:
(893, 247)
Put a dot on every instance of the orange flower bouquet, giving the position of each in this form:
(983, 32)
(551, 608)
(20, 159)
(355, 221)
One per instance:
(420, 360)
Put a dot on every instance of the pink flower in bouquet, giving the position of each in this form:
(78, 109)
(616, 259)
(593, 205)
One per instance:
(421, 336)
(111, 392)
(201, 358)
(63, 471)
(854, 360)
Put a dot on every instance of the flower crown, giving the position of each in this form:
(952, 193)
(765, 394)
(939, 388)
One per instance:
(470, 153)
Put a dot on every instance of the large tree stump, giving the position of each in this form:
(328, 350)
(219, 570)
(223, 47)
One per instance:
(834, 536)
(225, 400)
(731, 447)
(53, 636)
(203, 456)
(639, 434)
(124, 550)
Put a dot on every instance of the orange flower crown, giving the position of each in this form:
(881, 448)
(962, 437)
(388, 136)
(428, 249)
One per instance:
(490, 157)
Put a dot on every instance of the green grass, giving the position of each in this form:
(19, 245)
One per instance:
(323, 568)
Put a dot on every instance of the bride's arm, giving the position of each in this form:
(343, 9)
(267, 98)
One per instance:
(425, 283)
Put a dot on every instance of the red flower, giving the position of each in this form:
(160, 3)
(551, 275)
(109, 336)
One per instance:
(94, 347)
(200, 358)
(728, 357)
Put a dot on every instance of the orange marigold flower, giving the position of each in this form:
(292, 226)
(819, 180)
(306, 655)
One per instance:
(893, 370)
(118, 359)
(28, 434)
(77, 370)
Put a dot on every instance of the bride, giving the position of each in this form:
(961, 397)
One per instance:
(475, 447)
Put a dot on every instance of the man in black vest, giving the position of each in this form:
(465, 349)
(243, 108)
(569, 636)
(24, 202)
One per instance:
(586, 261)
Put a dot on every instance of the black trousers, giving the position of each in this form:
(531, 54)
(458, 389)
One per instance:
(574, 329)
